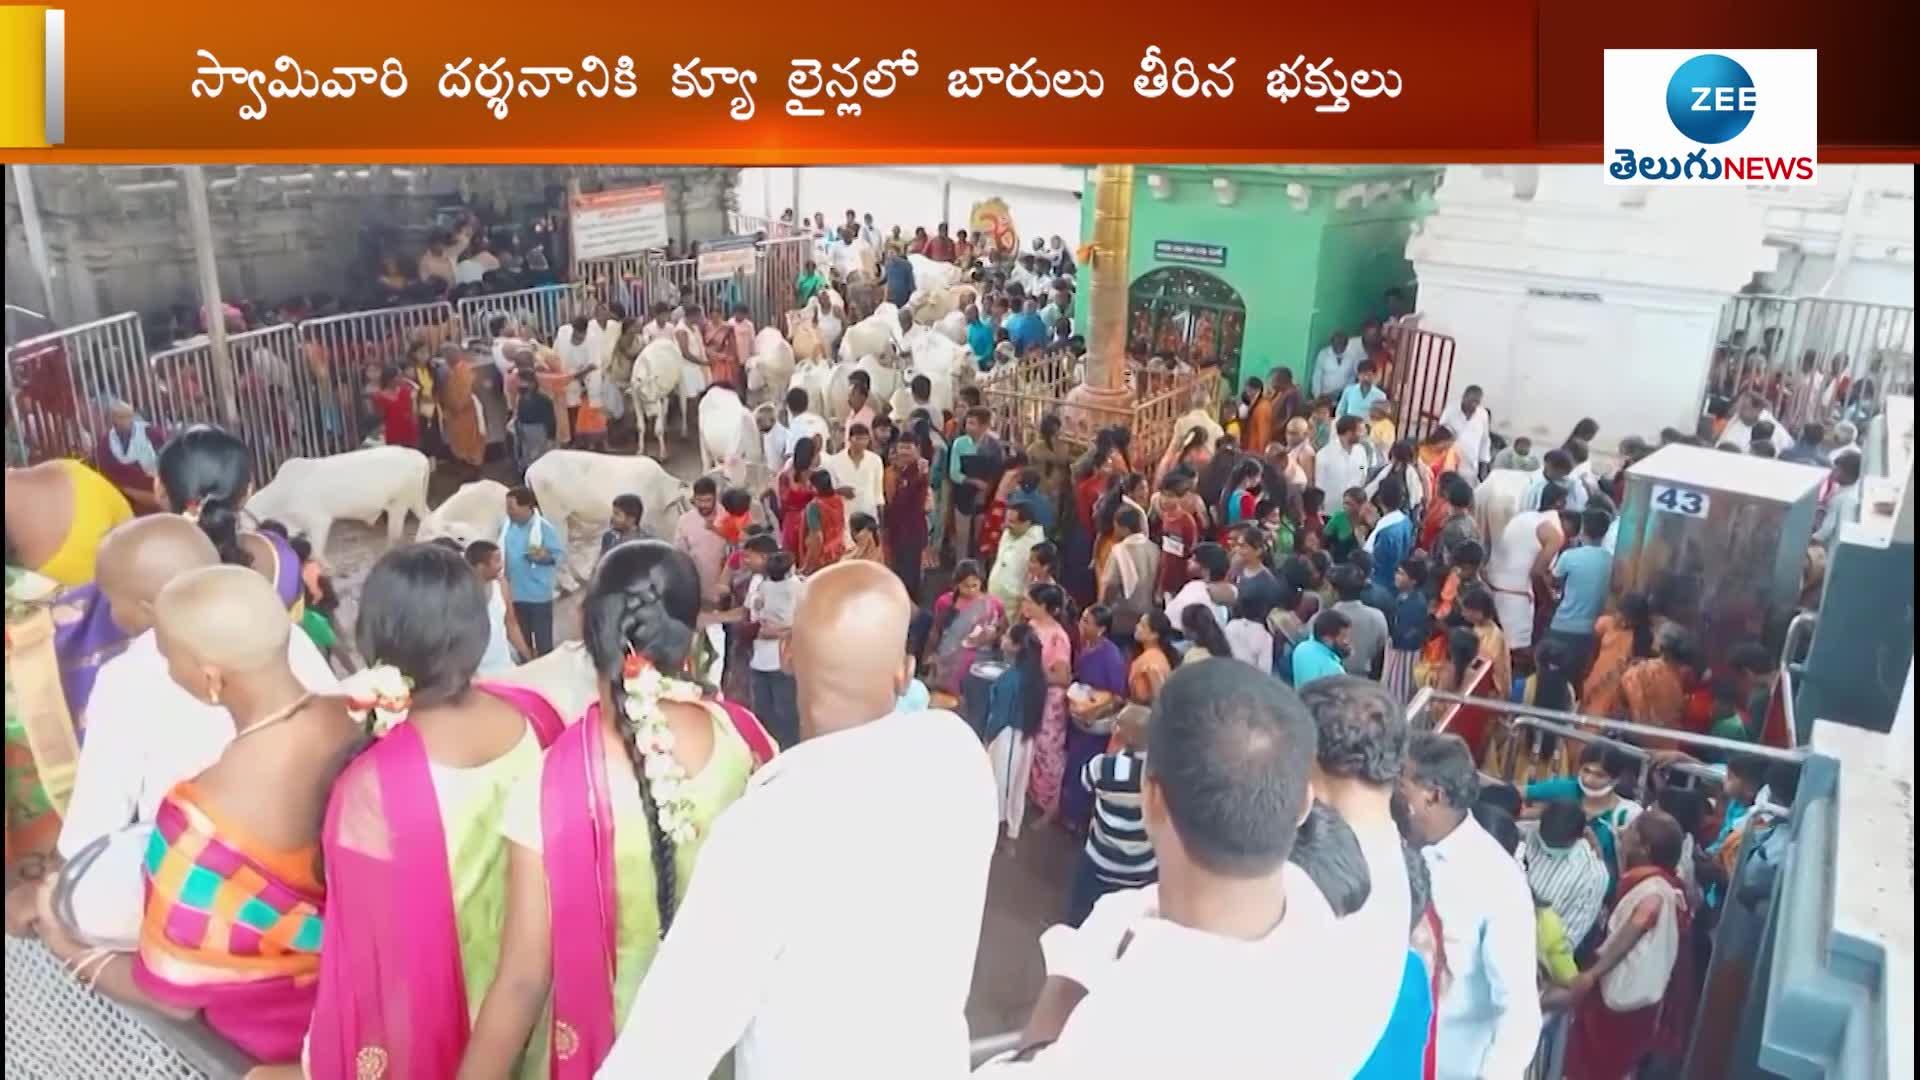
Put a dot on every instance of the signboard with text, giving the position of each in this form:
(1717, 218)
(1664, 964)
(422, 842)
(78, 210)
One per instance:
(626, 221)
(1180, 251)
(723, 259)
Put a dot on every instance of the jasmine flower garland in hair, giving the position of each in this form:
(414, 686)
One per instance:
(380, 691)
(666, 778)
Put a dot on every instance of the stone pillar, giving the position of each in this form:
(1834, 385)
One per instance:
(1569, 298)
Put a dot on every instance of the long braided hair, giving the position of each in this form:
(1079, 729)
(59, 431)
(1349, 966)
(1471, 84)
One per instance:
(644, 599)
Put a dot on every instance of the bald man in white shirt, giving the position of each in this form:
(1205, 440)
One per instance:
(876, 831)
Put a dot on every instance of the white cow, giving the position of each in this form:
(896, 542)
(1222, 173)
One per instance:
(931, 274)
(946, 367)
(876, 335)
(579, 485)
(475, 512)
(770, 367)
(309, 494)
(953, 327)
(804, 332)
(929, 306)
(729, 439)
(816, 378)
(656, 381)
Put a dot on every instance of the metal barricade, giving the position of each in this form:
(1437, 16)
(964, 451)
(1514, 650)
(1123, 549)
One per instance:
(678, 283)
(541, 310)
(59, 384)
(1811, 359)
(741, 224)
(1421, 382)
(277, 394)
(620, 280)
(779, 266)
(338, 350)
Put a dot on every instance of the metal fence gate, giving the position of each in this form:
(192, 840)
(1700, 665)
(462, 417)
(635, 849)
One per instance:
(274, 394)
(1811, 359)
(539, 311)
(60, 385)
(1421, 382)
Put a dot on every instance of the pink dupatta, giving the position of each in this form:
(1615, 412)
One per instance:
(393, 997)
(576, 831)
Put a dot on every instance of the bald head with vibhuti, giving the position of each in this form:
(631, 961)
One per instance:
(142, 557)
(849, 647)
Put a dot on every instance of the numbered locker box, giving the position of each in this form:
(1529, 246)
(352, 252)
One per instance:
(1718, 541)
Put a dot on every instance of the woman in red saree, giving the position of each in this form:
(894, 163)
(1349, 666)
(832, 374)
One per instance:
(416, 865)
(393, 398)
(605, 838)
(826, 540)
(793, 493)
(994, 521)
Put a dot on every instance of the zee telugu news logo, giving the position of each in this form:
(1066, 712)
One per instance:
(1711, 100)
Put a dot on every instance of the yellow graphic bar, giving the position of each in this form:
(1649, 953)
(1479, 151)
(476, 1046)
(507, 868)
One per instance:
(33, 57)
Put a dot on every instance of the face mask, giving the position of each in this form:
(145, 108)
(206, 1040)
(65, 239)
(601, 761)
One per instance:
(1599, 792)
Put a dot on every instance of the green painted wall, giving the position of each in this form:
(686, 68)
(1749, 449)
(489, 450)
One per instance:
(1303, 258)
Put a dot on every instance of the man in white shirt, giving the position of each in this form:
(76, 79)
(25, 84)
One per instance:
(1344, 462)
(1555, 468)
(1206, 974)
(1472, 428)
(861, 968)
(859, 469)
(802, 424)
(1749, 413)
(144, 733)
(1335, 364)
(575, 344)
(1489, 1016)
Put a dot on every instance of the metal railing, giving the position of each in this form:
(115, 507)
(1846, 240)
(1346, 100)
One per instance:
(1610, 727)
(1812, 359)
(277, 394)
(538, 311)
(59, 384)
(1421, 383)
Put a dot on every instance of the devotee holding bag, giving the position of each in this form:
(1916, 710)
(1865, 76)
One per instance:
(605, 837)
(242, 836)
(1201, 974)
(416, 865)
(860, 968)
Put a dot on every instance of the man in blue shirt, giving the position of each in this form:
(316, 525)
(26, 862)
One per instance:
(979, 338)
(532, 547)
(1584, 573)
(1360, 398)
(1322, 654)
(899, 274)
(1026, 330)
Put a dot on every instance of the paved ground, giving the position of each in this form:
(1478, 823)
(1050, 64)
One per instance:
(1028, 889)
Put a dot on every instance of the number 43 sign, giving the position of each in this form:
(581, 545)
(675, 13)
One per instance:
(1684, 501)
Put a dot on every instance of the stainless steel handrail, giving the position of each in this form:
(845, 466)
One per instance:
(1806, 620)
(1617, 727)
(1691, 768)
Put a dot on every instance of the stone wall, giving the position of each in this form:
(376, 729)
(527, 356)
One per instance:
(118, 239)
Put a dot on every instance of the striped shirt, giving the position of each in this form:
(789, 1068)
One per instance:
(1117, 843)
(1572, 880)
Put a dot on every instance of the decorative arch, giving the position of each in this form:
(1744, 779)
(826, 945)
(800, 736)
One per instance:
(1190, 314)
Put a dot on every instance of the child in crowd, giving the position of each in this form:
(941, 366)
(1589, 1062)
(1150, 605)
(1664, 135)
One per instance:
(1313, 522)
(1322, 422)
(772, 596)
(1518, 455)
(736, 509)
(865, 533)
(1409, 625)
(534, 422)
(1380, 428)
(1118, 854)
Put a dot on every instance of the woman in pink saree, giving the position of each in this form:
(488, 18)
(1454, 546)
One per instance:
(604, 839)
(1042, 611)
(415, 864)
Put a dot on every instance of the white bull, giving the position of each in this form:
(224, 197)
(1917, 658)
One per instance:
(579, 485)
(729, 439)
(876, 335)
(309, 494)
(929, 306)
(953, 327)
(816, 378)
(945, 366)
(804, 332)
(931, 274)
(770, 367)
(656, 381)
(475, 512)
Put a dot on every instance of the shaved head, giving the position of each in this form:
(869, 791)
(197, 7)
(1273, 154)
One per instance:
(141, 557)
(850, 647)
(223, 618)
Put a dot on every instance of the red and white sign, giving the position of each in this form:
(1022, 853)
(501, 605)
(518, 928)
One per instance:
(626, 221)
